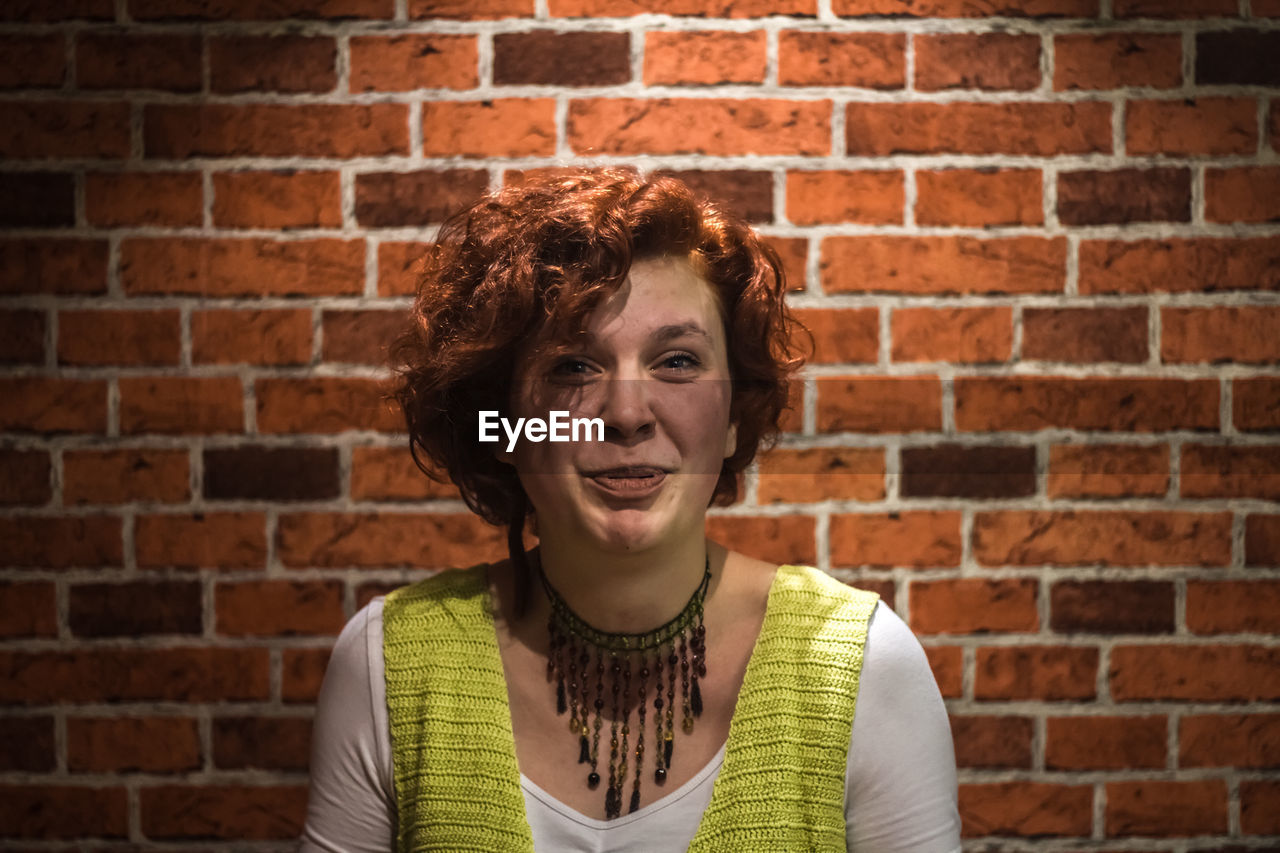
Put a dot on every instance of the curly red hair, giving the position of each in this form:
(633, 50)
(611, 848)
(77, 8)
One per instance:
(527, 265)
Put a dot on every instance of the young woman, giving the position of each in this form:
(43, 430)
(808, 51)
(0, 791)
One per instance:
(628, 684)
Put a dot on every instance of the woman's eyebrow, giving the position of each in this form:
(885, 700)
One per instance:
(678, 330)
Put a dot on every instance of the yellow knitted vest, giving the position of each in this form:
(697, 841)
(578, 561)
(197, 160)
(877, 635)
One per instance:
(781, 787)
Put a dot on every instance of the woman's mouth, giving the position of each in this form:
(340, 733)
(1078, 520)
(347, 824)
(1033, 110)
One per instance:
(629, 482)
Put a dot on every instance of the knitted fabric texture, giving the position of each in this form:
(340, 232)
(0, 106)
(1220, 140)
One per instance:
(782, 783)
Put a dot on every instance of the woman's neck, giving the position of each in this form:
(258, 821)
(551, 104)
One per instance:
(629, 593)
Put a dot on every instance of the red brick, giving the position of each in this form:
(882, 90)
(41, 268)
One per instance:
(1262, 540)
(1260, 807)
(1245, 194)
(40, 11)
(947, 664)
(842, 335)
(360, 337)
(966, 335)
(703, 58)
(226, 540)
(129, 338)
(63, 811)
(279, 608)
(60, 543)
(239, 813)
(181, 405)
(399, 266)
(1256, 403)
(130, 61)
(696, 8)
(1108, 471)
(1046, 673)
(39, 404)
(821, 473)
(254, 10)
(135, 609)
(1195, 673)
(979, 197)
(1265, 8)
(27, 610)
(120, 744)
(103, 674)
(389, 474)
(782, 540)
(272, 64)
(746, 192)
(1085, 335)
(922, 539)
(711, 126)
(39, 265)
(339, 540)
(968, 8)
(1117, 60)
(241, 267)
(271, 743)
(325, 405)
(1036, 129)
(1127, 404)
(114, 199)
(1105, 743)
(1117, 196)
(1112, 607)
(1213, 126)
(938, 265)
(268, 336)
(34, 61)
(282, 199)
(1229, 333)
(123, 475)
(302, 673)
(1175, 8)
(506, 127)
(814, 198)
(26, 743)
(470, 9)
(974, 606)
(397, 199)
(1022, 808)
(407, 62)
(1221, 471)
(794, 252)
(180, 131)
(1230, 740)
(879, 404)
(861, 60)
(1200, 264)
(1225, 607)
(1166, 809)
(989, 61)
(1109, 538)
(992, 742)
(24, 477)
(550, 58)
(22, 336)
(61, 129)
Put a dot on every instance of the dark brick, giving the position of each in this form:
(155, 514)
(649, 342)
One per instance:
(952, 470)
(37, 200)
(1124, 195)
(273, 64)
(1262, 541)
(359, 337)
(129, 61)
(26, 743)
(746, 193)
(392, 199)
(992, 742)
(1112, 607)
(37, 11)
(270, 743)
(21, 336)
(1085, 334)
(1238, 57)
(32, 61)
(561, 59)
(24, 477)
(128, 609)
(271, 474)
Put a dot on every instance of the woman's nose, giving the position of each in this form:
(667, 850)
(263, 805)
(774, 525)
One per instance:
(627, 408)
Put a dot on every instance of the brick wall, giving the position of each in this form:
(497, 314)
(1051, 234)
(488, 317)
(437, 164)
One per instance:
(1036, 241)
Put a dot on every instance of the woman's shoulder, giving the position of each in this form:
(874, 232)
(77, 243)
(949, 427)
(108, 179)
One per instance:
(448, 584)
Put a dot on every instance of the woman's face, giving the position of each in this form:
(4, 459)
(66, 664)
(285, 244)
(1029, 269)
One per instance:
(653, 366)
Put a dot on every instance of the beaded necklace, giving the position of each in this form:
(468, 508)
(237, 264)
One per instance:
(584, 660)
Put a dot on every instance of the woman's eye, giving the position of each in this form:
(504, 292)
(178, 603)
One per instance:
(681, 361)
(571, 367)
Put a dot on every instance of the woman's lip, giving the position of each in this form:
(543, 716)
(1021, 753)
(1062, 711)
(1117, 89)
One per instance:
(629, 486)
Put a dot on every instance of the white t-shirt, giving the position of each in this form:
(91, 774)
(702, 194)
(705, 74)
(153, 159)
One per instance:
(900, 784)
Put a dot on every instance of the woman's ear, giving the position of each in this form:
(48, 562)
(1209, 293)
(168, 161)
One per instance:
(731, 440)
